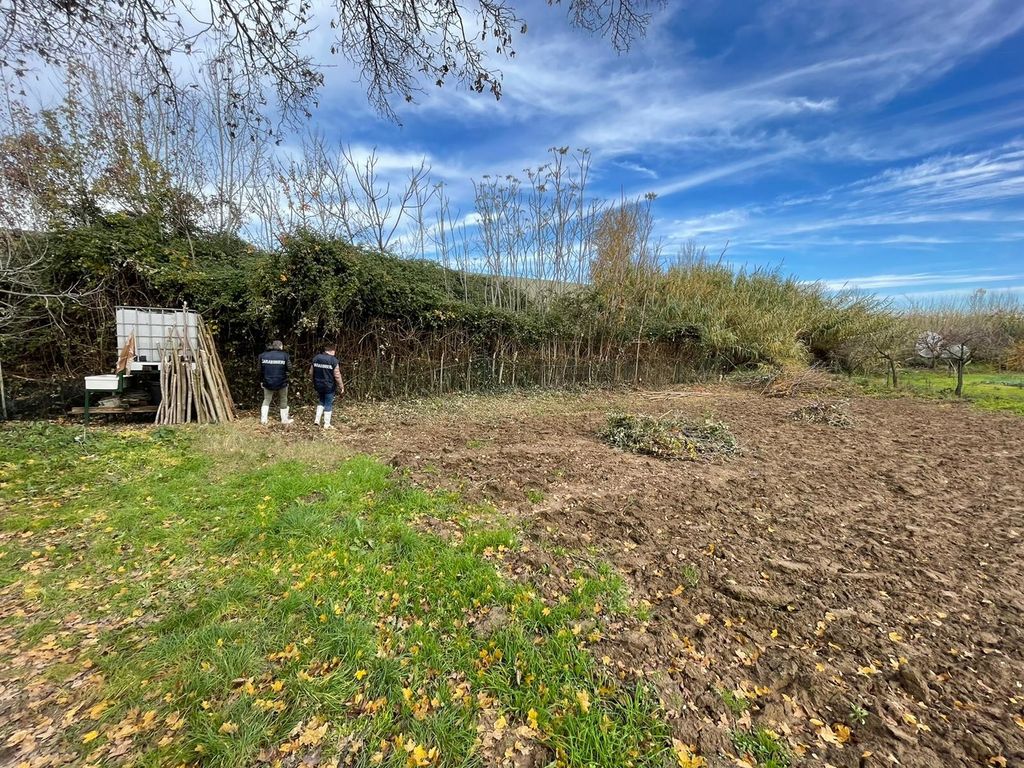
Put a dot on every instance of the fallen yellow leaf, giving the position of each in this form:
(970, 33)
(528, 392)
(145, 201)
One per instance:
(313, 733)
(686, 755)
(826, 734)
(584, 699)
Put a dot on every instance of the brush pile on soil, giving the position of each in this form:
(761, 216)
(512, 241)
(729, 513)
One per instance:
(668, 438)
(824, 412)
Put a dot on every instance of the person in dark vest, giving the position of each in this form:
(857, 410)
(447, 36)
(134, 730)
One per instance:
(274, 377)
(326, 373)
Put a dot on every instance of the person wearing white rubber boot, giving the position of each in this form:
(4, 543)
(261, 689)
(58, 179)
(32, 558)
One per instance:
(326, 373)
(274, 378)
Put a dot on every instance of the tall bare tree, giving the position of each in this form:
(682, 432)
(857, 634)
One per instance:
(395, 46)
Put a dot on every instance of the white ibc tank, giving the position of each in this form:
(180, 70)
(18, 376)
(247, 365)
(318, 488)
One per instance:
(151, 326)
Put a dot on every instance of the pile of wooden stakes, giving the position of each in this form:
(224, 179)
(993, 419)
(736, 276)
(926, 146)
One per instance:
(193, 386)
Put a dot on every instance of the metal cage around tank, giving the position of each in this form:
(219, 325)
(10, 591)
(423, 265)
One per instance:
(151, 327)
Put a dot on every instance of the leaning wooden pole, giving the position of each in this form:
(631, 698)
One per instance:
(219, 378)
(162, 407)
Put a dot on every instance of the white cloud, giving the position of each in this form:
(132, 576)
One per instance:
(997, 174)
(702, 177)
(942, 200)
(637, 168)
(876, 282)
(1016, 290)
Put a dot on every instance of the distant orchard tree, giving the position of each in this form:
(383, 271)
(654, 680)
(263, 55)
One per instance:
(958, 354)
(395, 45)
(889, 341)
(968, 329)
(929, 346)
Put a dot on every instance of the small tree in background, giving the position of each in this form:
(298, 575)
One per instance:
(929, 347)
(962, 331)
(888, 340)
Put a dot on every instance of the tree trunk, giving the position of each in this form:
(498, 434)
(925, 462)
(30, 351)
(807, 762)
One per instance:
(959, 378)
(892, 370)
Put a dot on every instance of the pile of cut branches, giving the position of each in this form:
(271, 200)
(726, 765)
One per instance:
(668, 438)
(788, 381)
(835, 414)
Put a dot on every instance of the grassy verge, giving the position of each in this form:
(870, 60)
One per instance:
(991, 391)
(160, 610)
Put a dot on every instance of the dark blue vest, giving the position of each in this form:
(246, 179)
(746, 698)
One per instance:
(274, 369)
(323, 373)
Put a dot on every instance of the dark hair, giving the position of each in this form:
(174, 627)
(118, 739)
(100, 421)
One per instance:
(276, 345)
(330, 346)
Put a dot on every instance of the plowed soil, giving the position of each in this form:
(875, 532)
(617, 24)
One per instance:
(869, 577)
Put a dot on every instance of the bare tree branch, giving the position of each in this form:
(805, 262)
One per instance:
(397, 45)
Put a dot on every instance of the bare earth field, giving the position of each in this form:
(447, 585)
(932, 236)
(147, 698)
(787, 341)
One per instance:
(868, 578)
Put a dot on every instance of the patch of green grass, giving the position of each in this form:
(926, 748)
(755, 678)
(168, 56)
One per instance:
(691, 575)
(534, 496)
(763, 746)
(991, 391)
(735, 703)
(216, 616)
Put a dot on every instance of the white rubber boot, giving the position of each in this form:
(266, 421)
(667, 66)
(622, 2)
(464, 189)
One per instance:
(284, 416)
(319, 413)
(264, 414)
(327, 420)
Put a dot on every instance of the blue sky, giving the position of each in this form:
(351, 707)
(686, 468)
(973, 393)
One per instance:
(875, 144)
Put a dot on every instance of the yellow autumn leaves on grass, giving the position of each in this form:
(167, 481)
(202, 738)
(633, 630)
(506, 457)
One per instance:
(417, 755)
(398, 617)
(686, 755)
